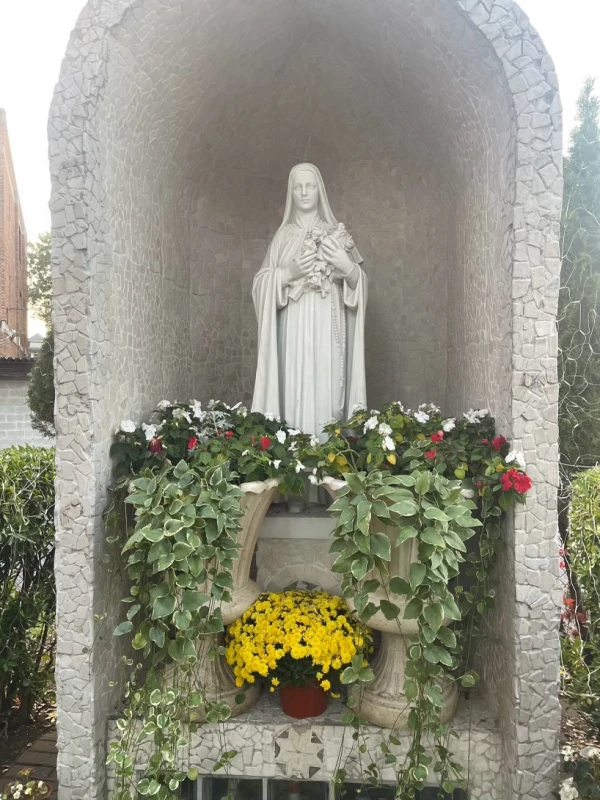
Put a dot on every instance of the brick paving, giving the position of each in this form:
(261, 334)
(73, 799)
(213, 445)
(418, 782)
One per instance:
(40, 757)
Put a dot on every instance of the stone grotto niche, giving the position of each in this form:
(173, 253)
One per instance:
(436, 126)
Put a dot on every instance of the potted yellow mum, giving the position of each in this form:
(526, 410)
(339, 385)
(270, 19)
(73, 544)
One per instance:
(299, 642)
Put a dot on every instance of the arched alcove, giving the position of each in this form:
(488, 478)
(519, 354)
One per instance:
(406, 111)
(436, 125)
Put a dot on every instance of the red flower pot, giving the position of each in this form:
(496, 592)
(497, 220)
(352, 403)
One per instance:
(302, 701)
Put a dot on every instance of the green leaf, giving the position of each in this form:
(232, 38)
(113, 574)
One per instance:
(153, 534)
(173, 526)
(157, 635)
(192, 600)
(431, 536)
(404, 534)
(380, 546)
(450, 608)
(354, 482)
(180, 469)
(181, 550)
(433, 512)
(124, 627)
(411, 690)
(192, 774)
(413, 609)
(405, 508)
(469, 679)
(389, 610)
(417, 574)
(447, 637)
(422, 483)
(163, 607)
(399, 586)
(164, 562)
(182, 620)
(360, 567)
(434, 614)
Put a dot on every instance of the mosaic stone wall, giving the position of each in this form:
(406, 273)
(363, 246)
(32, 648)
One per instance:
(437, 126)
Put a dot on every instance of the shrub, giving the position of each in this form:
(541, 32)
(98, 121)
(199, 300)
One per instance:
(40, 394)
(581, 616)
(27, 589)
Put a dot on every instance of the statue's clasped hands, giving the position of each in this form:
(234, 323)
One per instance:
(301, 266)
(336, 256)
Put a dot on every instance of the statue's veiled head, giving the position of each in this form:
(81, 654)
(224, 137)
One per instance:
(306, 193)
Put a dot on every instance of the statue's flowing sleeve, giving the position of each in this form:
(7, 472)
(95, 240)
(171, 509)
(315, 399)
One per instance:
(355, 300)
(269, 294)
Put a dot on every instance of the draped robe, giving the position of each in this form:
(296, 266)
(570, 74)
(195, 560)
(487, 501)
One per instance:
(311, 361)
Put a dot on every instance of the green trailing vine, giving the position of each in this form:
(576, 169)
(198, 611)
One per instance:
(443, 483)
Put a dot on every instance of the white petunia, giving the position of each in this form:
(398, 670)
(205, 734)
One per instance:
(180, 413)
(128, 426)
(370, 424)
(421, 417)
(149, 431)
(514, 455)
(358, 407)
(389, 443)
(313, 479)
(164, 404)
(314, 442)
(568, 790)
(474, 416)
(294, 432)
(281, 436)
(299, 466)
(568, 753)
(196, 407)
(242, 412)
(448, 425)
(384, 429)
(269, 416)
(276, 463)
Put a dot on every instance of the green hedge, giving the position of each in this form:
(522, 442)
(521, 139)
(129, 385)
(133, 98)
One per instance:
(27, 587)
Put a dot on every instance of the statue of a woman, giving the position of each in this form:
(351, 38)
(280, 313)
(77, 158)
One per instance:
(310, 297)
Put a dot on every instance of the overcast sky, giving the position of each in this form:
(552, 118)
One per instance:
(33, 38)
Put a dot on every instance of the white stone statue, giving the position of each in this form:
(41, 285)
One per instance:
(310, 296)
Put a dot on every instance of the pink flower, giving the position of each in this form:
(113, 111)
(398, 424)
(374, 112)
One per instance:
(265, 442)
(436, 438)
(430, 454)
(192, 442)
(229, 434)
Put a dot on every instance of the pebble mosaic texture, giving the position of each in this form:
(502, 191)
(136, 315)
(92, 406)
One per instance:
(437, 126)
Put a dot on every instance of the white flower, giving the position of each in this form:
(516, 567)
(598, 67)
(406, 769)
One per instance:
(448, 425)
(389, 443)
(179, 413)
(246, 453)
(371, 424)
(474, 416)
(313, 479)
(514, 455)
(196, 407)
(313, 442)
(276, 463)
(41, 785)
(294, 432)
(236, 406)
(242, 412)
(358, 407)
(128, 426)
(164, 404)
(299, 466)
(29, 791)
(421, 417)
(293, 446)
(568, 790)
(149, 431)
(17, 794)
(270, 417)
(567, 752)
(384, 429)
(281, 436)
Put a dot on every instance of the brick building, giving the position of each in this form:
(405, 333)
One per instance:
(13, 258)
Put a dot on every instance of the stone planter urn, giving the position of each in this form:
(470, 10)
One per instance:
(383, 702)
(216, 675)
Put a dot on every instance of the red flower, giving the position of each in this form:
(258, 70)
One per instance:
(229, 434)
(192, 442)
(561, 551)
(569, 601)
(484, 441)
(436, 438)
(155, 445)
(561, 564)
(522, 482)
(498, 442)
(265, 442)
(479, 484)
(507, 480)
(430, 454)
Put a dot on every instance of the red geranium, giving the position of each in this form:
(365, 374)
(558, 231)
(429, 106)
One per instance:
(569, 601)
(513, 479)
(229, 434)
(436, 438)
(484, 441)
(498, 442)
(155, 445)
(265, 442)
(430, 454)
(192, 442)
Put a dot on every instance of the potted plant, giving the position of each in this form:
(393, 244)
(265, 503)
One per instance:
(24, 788)
(300, 643)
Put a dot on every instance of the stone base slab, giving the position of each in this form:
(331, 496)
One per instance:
(272, 745)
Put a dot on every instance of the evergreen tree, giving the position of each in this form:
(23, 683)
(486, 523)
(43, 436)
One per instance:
(40, 279)
(578, 323)
(40, 393)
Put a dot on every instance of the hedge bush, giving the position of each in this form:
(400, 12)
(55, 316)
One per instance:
(27, 587)
(581, 615)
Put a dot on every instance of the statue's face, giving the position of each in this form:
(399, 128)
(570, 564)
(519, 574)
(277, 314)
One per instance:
(305, 190)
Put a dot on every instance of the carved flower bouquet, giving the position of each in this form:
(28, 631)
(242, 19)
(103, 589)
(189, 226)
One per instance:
(303, 643)
(319, 280)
